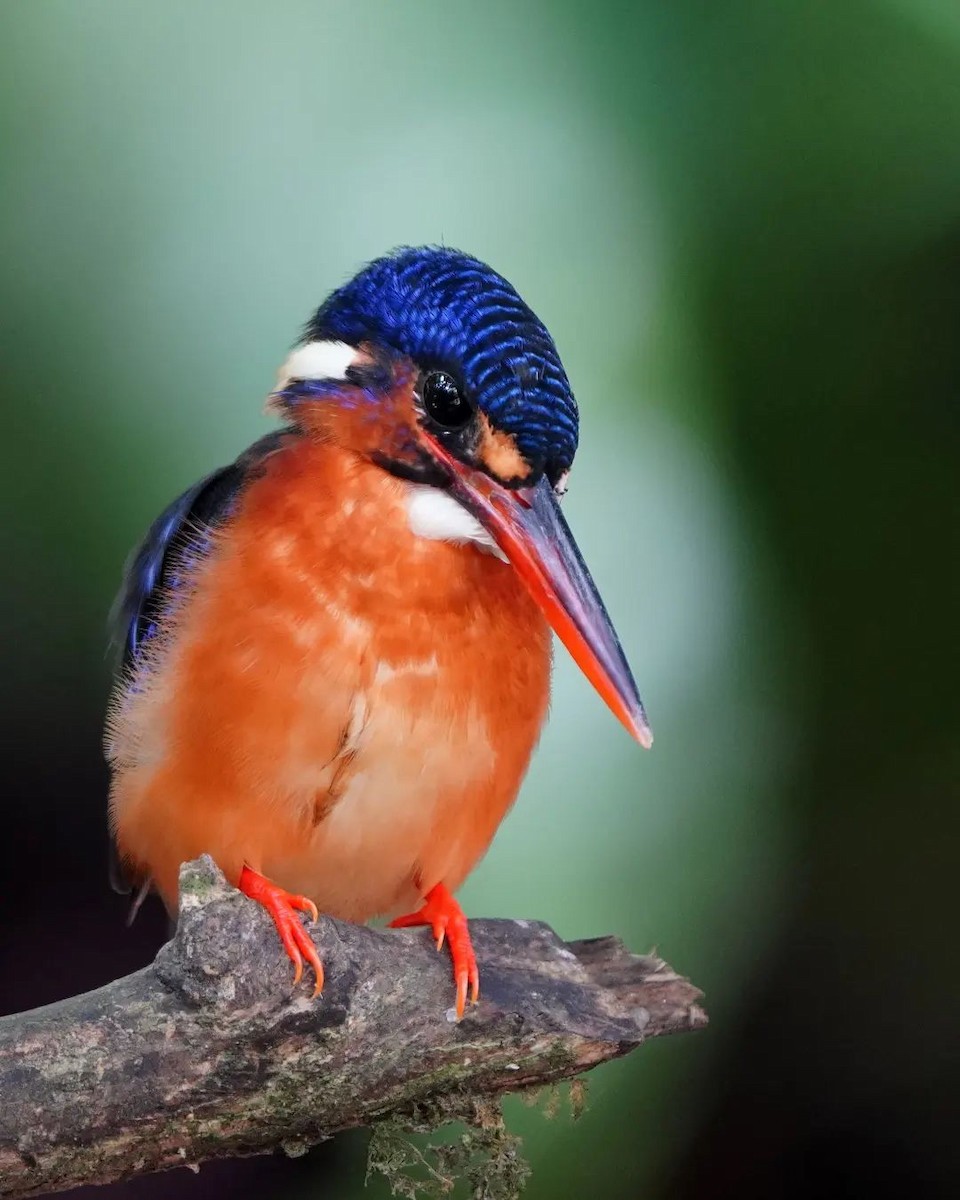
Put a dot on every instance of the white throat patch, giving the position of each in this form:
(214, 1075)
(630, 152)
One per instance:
(435, 515)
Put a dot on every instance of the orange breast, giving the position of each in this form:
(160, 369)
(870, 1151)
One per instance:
(341, 704)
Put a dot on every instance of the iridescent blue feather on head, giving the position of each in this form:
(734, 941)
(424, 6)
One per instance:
(448, 310)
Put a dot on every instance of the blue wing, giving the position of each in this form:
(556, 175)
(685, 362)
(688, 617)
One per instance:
(176, 542)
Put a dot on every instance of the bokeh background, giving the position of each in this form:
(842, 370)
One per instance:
(741, 222)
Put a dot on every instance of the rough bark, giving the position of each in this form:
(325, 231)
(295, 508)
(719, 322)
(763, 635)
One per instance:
(209, 1052)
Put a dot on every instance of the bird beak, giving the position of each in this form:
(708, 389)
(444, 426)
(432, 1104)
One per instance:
(529, 528)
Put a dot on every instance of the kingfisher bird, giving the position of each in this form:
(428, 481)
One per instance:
(336, 651)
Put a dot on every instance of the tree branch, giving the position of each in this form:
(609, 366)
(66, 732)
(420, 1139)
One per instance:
(208, 1053)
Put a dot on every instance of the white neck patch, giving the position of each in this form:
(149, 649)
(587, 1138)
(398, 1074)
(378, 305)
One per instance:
(435, 515)
(317, 360)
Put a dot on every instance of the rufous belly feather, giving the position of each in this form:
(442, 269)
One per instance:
(342, 705)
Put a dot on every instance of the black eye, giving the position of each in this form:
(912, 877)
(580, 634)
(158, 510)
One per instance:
(444, 401)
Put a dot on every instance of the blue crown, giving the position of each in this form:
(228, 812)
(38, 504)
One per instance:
(446, 309)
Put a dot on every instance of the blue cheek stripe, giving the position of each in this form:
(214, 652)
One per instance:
(344, 394)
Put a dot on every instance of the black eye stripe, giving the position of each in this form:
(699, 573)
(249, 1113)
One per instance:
(444, 402)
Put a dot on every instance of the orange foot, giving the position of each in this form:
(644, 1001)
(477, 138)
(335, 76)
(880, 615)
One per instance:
(283, 907)
(445, 917)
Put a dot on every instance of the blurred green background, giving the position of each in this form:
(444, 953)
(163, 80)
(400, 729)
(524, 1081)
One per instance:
(741, 222)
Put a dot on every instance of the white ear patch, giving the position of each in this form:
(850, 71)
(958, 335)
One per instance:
(437, 516)
(317, 360)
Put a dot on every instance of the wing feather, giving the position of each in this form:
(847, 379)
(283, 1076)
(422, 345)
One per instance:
(160, 566)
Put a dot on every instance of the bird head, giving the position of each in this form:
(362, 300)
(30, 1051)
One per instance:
(429, 364)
